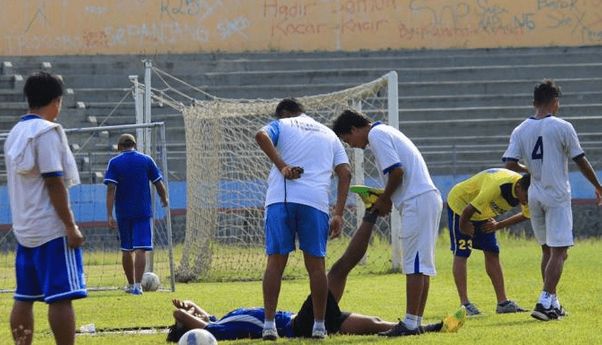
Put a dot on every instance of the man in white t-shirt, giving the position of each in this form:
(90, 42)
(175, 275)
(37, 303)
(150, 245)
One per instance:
(545, 143)
(409, 187)
(304, 153)
(40, 168)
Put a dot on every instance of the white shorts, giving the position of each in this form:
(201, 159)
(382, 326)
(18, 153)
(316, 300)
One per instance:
(420, 217)
(552, 222)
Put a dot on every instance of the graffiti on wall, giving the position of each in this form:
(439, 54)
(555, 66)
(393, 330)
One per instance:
(161, 26)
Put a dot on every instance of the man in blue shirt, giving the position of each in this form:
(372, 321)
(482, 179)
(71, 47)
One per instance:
(127, 179)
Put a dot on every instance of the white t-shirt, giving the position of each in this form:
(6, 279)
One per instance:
(302, 141)
(393, 149)
(35, 220)
(545, 145)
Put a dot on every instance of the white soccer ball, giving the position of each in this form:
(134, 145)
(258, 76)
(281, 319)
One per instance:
(197, 337)
(150, 281)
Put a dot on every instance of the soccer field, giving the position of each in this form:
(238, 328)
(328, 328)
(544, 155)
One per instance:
(580, 292)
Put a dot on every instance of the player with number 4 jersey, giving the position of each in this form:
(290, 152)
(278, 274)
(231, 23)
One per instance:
(545, 143)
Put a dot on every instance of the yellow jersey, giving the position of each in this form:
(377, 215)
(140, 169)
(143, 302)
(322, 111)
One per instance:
(490, 192)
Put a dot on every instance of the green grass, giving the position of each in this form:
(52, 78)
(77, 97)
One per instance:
(383, 295)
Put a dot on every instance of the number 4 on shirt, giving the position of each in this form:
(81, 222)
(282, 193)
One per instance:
(538, 149)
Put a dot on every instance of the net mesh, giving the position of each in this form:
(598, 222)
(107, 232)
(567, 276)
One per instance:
(101, 251)
(226, 184)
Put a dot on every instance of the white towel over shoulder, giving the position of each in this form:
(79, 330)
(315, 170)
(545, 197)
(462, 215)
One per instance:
(22, 149)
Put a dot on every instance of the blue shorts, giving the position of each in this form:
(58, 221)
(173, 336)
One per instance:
(462, 245)
(51, 272)
(135, 233)
(284, 221)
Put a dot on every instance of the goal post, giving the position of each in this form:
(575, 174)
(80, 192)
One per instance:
(101, 250)
(226, 183)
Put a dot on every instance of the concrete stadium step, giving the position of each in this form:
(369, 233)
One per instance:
(314, 60)
(11, 95)
(359, 75)
(459, 88)
(483, 126)
(111, 94)
(11, 82)
(491, 100)
(179, 65)
(168, 119)
(464, 113)
(486, 86)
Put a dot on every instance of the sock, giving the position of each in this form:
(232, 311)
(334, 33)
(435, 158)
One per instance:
(555, 301)
(419, 321)
(411, 321)
(319, 324)
(269, 324)
(137, 286)
(545, 299)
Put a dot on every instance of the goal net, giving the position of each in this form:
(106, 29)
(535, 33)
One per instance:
(93, 148)
(226, 184)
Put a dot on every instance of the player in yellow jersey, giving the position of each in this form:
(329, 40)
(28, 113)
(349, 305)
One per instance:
(472, 206)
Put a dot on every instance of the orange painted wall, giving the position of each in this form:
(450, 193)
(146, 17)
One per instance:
(56, 27)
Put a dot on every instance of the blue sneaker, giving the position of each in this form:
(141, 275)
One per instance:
(471, 309)
(136, 291)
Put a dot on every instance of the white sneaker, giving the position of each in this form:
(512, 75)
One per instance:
(269, 334)
(318, 333)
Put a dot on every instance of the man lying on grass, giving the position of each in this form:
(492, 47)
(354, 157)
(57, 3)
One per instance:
(248, 322)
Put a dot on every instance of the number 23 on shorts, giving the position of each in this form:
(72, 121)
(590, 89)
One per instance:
(464, 244)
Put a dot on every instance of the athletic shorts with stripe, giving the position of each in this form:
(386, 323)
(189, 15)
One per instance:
(50, 272)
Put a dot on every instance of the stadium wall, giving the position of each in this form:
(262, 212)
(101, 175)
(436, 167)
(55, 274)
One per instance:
(49, 27)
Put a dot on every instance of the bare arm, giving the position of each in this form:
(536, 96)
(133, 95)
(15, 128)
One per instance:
(343, 172)
(466, 226)
(60, 201)
(160, 186)
(266, 145)
(493, 225)
(110, 203)
(516, 166)
(590, 175)
(383, 204)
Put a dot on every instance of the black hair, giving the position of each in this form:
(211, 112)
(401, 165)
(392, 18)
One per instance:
(41, 89)
(525, 182)
(545, 92)
(128, 144)
(175, 332)
(290, 106)
(347, 120)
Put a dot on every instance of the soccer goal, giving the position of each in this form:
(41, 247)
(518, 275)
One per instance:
(226, 184)
(93, 148)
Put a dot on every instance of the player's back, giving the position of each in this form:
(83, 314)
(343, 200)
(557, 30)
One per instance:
(132, 171)
(302, 141)
(393, 148)
(489, 191)
(546, 145)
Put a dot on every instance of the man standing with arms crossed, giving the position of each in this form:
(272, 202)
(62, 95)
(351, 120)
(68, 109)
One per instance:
(40, 168)
(409, 186)
(127, 179)
(304, 153)
(545, 143)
